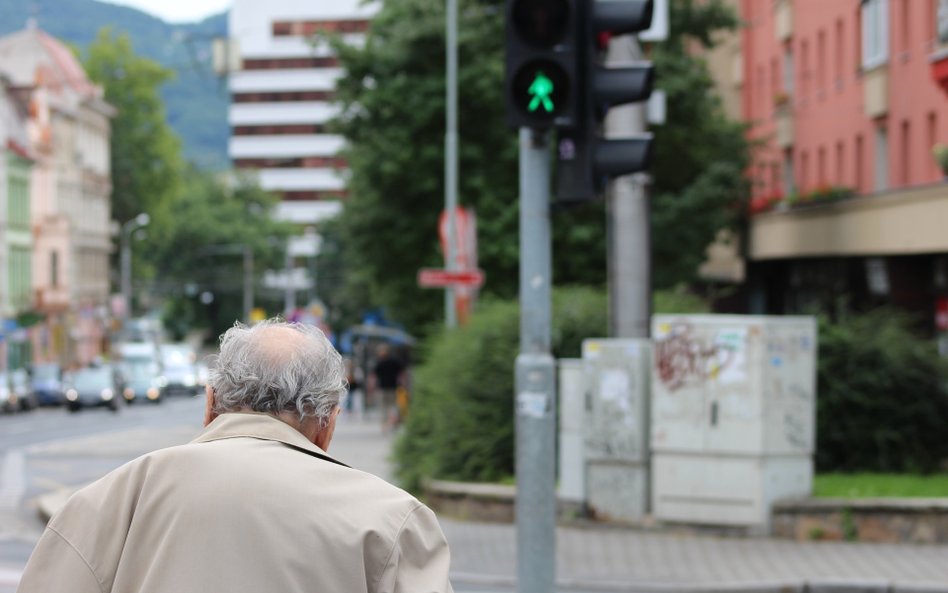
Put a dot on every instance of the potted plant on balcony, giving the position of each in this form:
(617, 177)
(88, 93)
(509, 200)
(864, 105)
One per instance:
(781, 99)
(940, 151)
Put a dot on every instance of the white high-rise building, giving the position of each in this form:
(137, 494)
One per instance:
(281, 100)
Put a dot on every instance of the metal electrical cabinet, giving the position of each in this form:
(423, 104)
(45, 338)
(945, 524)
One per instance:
(733, 416)
(616, 428)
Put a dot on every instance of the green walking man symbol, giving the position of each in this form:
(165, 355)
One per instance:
(541, 89)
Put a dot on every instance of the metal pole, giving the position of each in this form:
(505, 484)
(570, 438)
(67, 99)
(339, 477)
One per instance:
(126, 257)
(248, 282)
(535, 376)
(289, 295)
(451, 155)
(629, 266)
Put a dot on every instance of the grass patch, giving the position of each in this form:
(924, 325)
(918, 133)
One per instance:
(872, 485)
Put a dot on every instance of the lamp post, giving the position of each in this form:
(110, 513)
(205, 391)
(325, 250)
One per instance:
(127, 229)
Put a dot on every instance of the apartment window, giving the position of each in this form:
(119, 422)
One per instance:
(788, 70)
(934, 171)
(775, 180)
(761, 91)
(54, 269)
(857, 150)
(905, 153)
(882, 159)
(804, 166)
(775, 81)
(905, 33)
(840, 163)
(788, 183)
(821, 166)
(789, 186)
(821, 61)
(840, 53)
(875, 33)
(805, 69)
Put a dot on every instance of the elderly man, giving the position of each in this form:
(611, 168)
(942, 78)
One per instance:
(254, 504)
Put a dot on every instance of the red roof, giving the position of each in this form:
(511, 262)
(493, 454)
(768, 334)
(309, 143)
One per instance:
(68, 65)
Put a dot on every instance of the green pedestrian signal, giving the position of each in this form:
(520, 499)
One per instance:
(541, 89)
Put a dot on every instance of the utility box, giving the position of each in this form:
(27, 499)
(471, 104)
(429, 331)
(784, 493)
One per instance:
(733, 416)
(571, 392)
(616, 428)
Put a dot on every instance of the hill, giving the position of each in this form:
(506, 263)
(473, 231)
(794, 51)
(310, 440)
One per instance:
(196, 101)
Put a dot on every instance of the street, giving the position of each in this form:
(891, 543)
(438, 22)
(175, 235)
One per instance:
(51, 450)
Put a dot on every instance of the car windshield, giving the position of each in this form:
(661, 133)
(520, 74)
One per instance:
(46, 372)
(93, 378)
(140, 369)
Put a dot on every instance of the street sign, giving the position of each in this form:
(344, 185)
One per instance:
(438, 278)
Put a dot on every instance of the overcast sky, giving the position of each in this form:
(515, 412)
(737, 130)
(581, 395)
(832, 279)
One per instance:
(177, 11)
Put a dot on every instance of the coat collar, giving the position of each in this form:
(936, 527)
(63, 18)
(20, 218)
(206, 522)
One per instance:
(260, 426)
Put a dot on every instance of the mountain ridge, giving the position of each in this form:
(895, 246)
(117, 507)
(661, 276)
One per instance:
(196, 100)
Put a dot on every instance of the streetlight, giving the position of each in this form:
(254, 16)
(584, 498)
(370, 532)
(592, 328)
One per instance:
(127, 229)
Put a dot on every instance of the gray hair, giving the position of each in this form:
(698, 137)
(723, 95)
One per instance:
(262, 373)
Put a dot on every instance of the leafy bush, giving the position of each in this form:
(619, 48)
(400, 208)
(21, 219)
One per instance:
(883, 400)
(461, 422)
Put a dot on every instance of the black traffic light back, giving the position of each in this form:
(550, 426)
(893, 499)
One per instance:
(543, 59)
(585, 159)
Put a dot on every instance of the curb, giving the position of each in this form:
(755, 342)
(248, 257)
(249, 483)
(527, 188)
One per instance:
(815, 586)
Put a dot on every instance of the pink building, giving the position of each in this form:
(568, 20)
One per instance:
(842, 94)
(846, 103)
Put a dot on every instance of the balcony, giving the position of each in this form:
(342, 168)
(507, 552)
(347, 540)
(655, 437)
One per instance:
(875, 84)
(784, 20)
(784, 119)
(902, 222)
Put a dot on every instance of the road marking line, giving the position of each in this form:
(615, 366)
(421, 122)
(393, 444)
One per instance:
(10, 576)
(12, 480)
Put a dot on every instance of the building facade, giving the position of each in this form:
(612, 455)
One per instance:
(70, 195)
(849, 204)
(16, 240)
(282, 100)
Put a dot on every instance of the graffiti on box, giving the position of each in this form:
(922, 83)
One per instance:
(682, 357)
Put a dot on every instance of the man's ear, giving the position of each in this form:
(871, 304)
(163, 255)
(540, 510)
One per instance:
(209, 413)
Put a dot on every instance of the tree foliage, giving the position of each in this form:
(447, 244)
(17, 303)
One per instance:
(203, 250)
(392, 98)
(883, 396)
(146, 154)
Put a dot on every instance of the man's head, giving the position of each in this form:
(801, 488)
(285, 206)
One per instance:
(283, 369)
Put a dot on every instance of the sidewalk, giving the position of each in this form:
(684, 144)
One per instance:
(607, 558)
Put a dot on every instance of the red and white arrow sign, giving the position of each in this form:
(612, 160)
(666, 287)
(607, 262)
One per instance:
(438, 278)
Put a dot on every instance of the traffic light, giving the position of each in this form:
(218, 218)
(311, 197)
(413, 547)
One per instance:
(542, 85)
(585, 159)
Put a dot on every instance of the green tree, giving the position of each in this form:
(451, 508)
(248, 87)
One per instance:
(202, 251)
(392, 98)
(699, 155)
(146, 154)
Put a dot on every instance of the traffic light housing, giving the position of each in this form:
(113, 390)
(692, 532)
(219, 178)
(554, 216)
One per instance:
(543, 59)
(585, 159)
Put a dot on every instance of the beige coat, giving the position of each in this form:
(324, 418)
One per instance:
(250, 506)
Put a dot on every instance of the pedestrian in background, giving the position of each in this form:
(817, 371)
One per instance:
(255, 503)
(387, 376)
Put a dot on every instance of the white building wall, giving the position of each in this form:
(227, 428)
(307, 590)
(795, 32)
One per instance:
(251, 24)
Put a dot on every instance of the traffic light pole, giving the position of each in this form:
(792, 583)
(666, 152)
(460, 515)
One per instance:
(535, 376)
(629, 219)
(451, 157)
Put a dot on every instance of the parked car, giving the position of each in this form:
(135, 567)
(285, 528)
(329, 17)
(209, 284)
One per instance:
(141, 381)
(47, 382)
(179, 369)
(93, 386)
(20, 385)
(9, 400)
